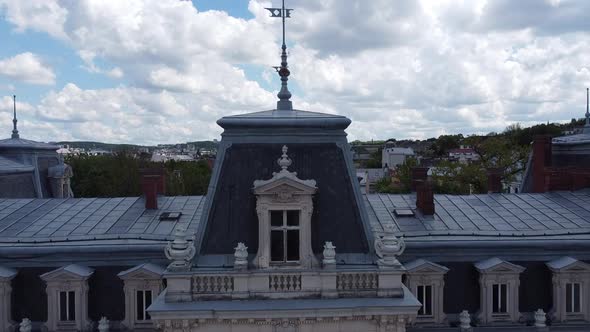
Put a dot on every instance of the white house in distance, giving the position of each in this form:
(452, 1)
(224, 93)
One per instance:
(391, 157)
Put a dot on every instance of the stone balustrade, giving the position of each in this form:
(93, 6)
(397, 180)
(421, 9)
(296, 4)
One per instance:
(283, 283)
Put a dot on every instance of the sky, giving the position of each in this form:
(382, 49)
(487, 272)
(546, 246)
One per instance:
(163, 71)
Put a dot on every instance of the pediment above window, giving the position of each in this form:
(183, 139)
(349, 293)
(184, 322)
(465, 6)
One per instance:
(143, 271)
(497, 265)
(422, 266)
(568, 264)
(69, 272)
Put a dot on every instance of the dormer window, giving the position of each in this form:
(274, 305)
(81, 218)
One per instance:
(571, 289)
(284, 236)
(284, 207)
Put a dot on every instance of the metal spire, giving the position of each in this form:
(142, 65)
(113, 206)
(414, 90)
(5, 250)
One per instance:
(284, 104)
(14, 120)
(587, 112)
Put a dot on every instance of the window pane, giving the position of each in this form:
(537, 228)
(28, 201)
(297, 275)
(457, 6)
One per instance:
(293, 218)
(568, 298)
(140, 305)
(71, 305)
(276, 218)
(276, 246)
(495, 298)
(63, 307)
(428, 301)
(576, 298)
(148, 302)
(420, 296)
(504, 300)
(293, 245)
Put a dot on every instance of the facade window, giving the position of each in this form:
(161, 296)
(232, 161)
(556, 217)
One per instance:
(571, 289)
(499, 282)
(573, 299)
(424, 295)
(67, 306)
(144, 300)
(284, 236)
(141, 284)
(67, 298)
(499, 298)
(426, 280)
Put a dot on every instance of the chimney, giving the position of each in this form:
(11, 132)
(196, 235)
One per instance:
(425, 198)
(153, 182)
(419, 175)
(541, 159)
(494, 180)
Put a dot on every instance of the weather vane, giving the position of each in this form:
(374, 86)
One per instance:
(284, 104)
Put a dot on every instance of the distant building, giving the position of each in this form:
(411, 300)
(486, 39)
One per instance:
(99, 152)
(391, 157)
(464, 154)
(30, 169)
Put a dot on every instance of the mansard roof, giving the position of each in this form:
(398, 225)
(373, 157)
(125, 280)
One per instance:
(72, 270)
(493, 217)
(496, 264)
(566, 264)
(424, 266)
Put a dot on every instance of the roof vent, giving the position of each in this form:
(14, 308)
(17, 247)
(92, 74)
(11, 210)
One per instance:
(170, 216)
(403, 212)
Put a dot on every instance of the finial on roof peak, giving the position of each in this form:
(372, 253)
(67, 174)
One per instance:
(284, 104)
(284, 161)
(14, 120)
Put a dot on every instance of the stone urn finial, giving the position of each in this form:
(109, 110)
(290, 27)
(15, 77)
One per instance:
(464, 320)
(241, 257)
(387, 247)
(329, 254)
(540, 318)
(180, 251)
(103, 325)
(284, 161)
(25, 325)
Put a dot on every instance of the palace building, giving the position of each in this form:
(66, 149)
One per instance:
(285, 241)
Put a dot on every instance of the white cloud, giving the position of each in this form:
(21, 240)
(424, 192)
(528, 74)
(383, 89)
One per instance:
(397, 69)
(27, 67)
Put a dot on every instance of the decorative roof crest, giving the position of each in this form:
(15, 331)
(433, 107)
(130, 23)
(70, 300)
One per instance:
(284, 162)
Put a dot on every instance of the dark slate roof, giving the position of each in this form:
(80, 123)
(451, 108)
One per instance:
(21, 143)
(54, 221)
(11, 166)
(493, 215)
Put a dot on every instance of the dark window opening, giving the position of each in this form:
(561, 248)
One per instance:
(572, 298)
(144, 300)
(67, 306)
(284, 236)
(425, 297)
(499, 298)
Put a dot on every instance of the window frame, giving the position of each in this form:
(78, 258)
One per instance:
(285, 228)
(573, 298)
(68, 304)
(144, 306)
(421, 296)
(498, 289)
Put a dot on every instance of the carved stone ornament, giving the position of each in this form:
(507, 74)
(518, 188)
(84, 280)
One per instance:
(329, 254)
(284, 162)
(241, 256)
(464, 320)
(103, 325)
(387, 248)
(25, 325)
(180, 251)
(540, 318)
